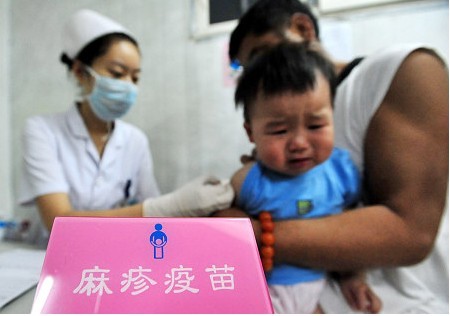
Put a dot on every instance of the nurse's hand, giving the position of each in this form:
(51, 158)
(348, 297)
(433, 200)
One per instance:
(199, 197)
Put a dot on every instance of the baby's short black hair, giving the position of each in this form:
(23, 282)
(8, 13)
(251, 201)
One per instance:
(287, 67)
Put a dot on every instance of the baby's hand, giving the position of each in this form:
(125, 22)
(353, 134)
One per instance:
(358, 294)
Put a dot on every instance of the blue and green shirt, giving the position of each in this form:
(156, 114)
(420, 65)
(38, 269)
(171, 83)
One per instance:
(322, 191)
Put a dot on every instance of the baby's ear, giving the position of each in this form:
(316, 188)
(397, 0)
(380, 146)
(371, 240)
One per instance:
(248, 129)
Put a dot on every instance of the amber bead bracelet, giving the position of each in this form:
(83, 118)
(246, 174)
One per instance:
(267, 250)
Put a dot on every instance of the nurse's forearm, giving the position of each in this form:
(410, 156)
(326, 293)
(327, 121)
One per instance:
(126, 211)
(57, 204)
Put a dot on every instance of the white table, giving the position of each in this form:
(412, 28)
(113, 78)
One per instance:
(22, 304)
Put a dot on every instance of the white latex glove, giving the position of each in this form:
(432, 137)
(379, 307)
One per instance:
(199, 197)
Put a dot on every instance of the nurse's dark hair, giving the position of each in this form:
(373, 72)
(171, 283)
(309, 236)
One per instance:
(96, 49)
(287, 67)
(267, 16)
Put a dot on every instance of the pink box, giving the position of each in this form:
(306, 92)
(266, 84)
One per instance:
(152, 265)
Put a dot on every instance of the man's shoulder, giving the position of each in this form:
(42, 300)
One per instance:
(386, 61)
(422, 73)
(400, 50)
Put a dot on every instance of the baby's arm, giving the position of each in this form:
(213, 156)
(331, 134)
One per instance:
(357, 292)
(238, 179)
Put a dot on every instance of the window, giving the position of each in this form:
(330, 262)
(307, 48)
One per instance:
(212, 17)
(327, 6)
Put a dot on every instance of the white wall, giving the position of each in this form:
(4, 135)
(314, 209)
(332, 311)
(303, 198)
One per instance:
(6, 209)
(372, 29)
(184, 106)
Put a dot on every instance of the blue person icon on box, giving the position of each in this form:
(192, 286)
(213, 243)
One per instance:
(158, 239)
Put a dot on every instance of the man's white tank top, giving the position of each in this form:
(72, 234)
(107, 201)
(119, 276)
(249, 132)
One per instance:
(422, 288)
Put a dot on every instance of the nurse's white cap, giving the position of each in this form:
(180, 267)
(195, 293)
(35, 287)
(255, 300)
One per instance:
(84, 27)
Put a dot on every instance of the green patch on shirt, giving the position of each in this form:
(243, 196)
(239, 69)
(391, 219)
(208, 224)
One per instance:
(304, 207)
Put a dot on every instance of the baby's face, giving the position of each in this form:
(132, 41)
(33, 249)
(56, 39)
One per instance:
(293, 132)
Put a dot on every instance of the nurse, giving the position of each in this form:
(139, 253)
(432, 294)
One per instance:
(86, 161)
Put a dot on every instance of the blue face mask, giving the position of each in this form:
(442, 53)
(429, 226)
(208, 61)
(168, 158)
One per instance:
(111, 98)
